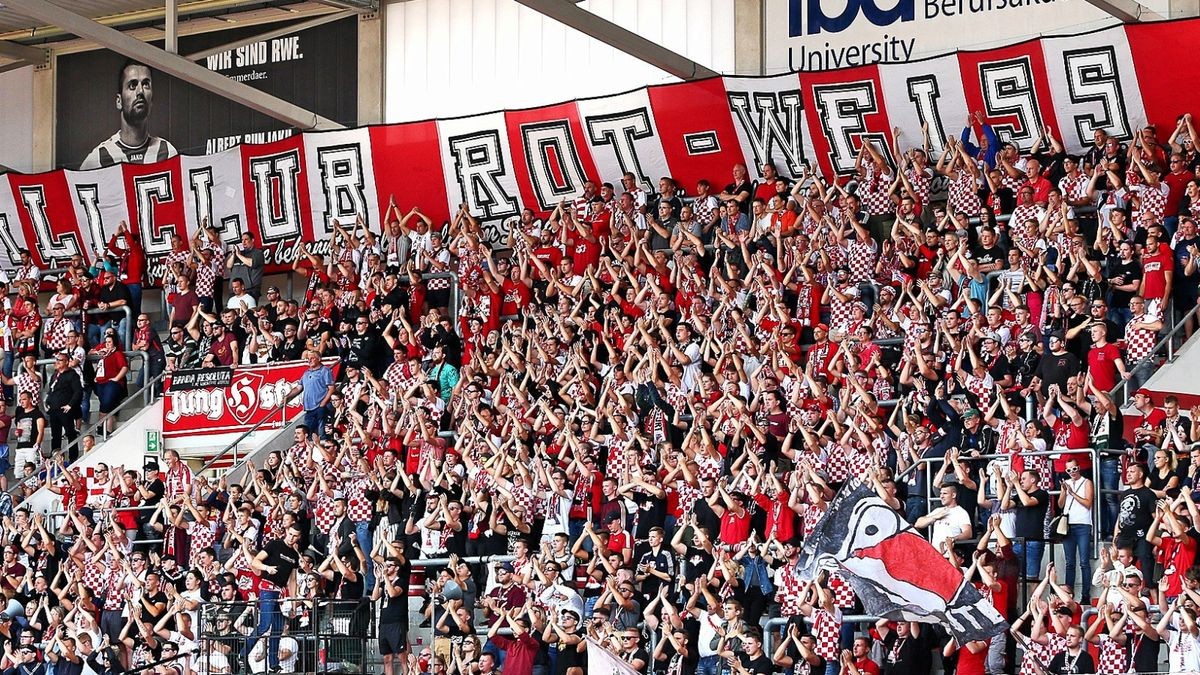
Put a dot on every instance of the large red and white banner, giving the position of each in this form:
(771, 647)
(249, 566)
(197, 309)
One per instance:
(253, 395)
(292, 190)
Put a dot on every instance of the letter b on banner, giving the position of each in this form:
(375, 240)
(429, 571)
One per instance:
(820, 22)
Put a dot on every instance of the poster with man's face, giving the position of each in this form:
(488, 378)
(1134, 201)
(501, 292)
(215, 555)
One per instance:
(113, 110)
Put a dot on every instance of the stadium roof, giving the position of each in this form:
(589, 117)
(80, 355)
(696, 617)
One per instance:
(147, 18)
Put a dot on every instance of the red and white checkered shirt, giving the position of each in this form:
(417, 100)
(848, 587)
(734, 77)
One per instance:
(96, 573)
(843, 594)
(838, 465)
(1153, 199)
(812, 514)
(1139, 342)
(206, 277)
(840, 310)
(358, 507)
(789, 590)
(964, 194)
(873, 190)
(1041, 654)
(178, 481)
(202, 536)
(54, 333)
(1025, 212)
(920, 182)
(1113, 656)
(120, 587)
(27, 383)
(983, 388)
(862, 256)
(825, 628)
(1073, 188)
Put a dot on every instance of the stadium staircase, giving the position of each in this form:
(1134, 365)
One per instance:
(1177, 361)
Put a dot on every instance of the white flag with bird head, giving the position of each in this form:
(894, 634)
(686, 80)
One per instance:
(603, 662)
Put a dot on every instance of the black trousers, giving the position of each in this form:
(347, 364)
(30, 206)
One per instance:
(59, 422)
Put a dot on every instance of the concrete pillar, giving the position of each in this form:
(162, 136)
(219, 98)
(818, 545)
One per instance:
(1183, 9)
(44, 116)
(748, 37)
(370, 68)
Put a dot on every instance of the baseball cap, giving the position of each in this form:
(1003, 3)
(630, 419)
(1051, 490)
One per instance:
(505, 567)
(821, 326)
(1143, 392)
(973, 412)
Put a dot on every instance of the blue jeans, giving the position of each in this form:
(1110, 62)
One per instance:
(1079, 543)
(1120, 316)
(1139, 374)
(135, 299)
(1031, 553)
(96, 331)
(915, 507)
(1110, 479)
(270, 620)
(575, 529)
(315, 421)
(9, 359)
(708, 665)
(362, 534)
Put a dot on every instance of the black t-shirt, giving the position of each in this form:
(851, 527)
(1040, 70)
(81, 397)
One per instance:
(760, 665)
(1057, 369)
(1134, 516)
(1029, 520)
(696, 561)
(25, 422)
(118, 291)
(651, 512)
(737, 188)
(1145, 653)
(283, 558)
(395, 610)
(287, 350)
(797, 661)
(153, 600)
(907, 656)
(1121, 272)
(991, 254)
(1062, 664)
(363, 350)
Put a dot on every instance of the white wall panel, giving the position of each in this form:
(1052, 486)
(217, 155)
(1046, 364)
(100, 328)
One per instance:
(460, 57)
(16, 124)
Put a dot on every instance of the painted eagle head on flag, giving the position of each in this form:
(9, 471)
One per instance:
(895, 571)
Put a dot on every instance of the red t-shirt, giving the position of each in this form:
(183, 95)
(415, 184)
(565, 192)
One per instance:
(1102, 364)
(734, 529)
(1154, 272)
(866, 665)
(516, 297)
(1176, 182)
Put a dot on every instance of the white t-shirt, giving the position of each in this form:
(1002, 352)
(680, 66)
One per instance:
(955, 522)
(1183, 652)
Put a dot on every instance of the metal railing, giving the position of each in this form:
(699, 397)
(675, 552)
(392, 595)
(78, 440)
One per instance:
(146, 394)
(1120, 393)
(330, 635)
(232, 448)
(1093, 453)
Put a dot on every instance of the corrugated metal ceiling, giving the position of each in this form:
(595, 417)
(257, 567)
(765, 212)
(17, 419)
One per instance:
(131, 13)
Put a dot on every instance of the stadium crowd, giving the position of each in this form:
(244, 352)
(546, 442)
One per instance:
(644, 403)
